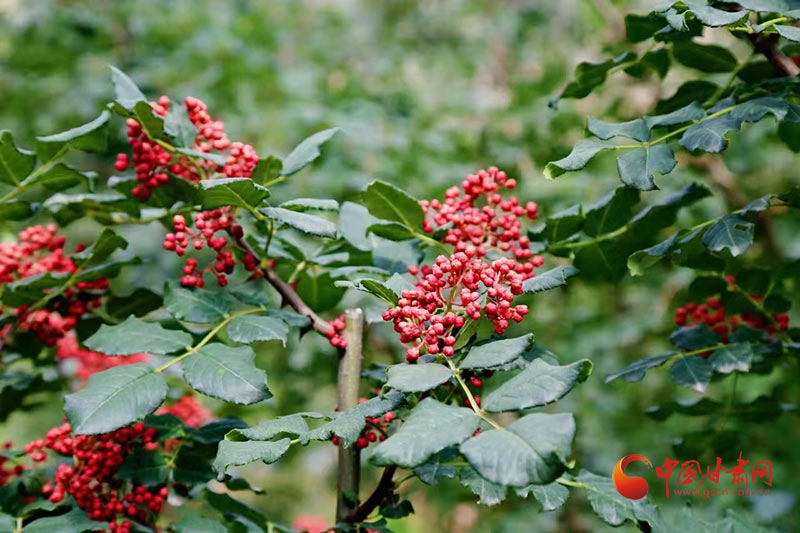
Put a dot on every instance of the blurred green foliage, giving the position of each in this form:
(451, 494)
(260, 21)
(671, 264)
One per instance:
(425, 93)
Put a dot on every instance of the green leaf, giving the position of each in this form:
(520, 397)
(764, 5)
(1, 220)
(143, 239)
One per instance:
(705, 57)
(732, 232)
(531, 450)
(125, 90)
(488, 493)
(537, 385)
(756, 109)
(633, 129)
(418, 377)
(307, 151)
(387, 202)
(691, 91)
(691, 371)
(637, 167)
(268, 169)
(561, 225)
(294, 425)
(392, 231)
(90, 137)
(227, 373)
(107, 243)
(588, 76)
(311, 204)
(142, 112)
(496, 353)
(293, 319)
(555, 277)
(114, 398)
(713, 17)
(641, 260)
(430, 428)
(75, 521)
(788, 32)
(238, 192)
(656, 61)
(134, 336)
(354, 219)
(252, 292)
(310, 224)
(196, 305)
(29, 290)
(371, 286)
(639, 28)
(319, 291)
(694, 337)
(144, 468)
(59, 177)
(217, 159)
(611, 212)
(347, 425)
(251, 328)
(437, 468)
(551, 496)
(15, 210)
(613, 507)
(636, 370)
(178, 125)
(15, 163)
(733, 357)
(583, 151)
(688, 113)
(232, 453)
(7, 522)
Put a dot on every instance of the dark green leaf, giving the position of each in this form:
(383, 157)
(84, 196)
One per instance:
(430, 428)
(713, 17)
(252, 292)
(611, 212)
(227, 373)
(591, 75)
(636, 370)
(551, 496)
(59, 177)
(732, 232)
(90, 137)
(537, 385)
(311, 204)
(387, 202)
(694, 337)
(238, 192)
(232, 453)
(144, 468)
(354, 219)
(691, 91)
(15, 210)
(637, 167)
(641, 27)
(436, 468)
(495, 353)
(614, 508)
(633, 129)
(319, 291)
(555, 277)
(583, 151)
(125, 90)
(294, 425)
(704, 57)
(688, 113)
(107, 243)
(418, 377)
(192, 523)
(134, 336)
(15, 164)
(251, 328)
(488, 493)
(561, 225)
(392, 231)
(114, 398)
(371, 286)
(788, 32)
(196, 305)
(641, 260)
(691, 371)
(310, 224)
(268, 169)
(307, 151)
(733, 357)
(531, 450)
(709, 135)
(348, 424)
(75, 521)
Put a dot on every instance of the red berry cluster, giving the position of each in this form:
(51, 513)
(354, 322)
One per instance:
(446, 294)
(191, 412)
(713, 314)
(152, 161)
(207, 224)
(491, 256)
(37, 251)
(84, 363)
(374, 429)
(335, 333)
(495, 224)
(90, 478)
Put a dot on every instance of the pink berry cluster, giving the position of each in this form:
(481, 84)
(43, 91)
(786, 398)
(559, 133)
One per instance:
(83, 363)
(153, 162)
(39, 250)
(491, 261)
(90, 478)
(374, 429)
(713, 314)
(207, 224)
(335, 333)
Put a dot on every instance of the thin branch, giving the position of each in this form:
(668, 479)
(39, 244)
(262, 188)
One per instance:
(766, 45)
(384, 489)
